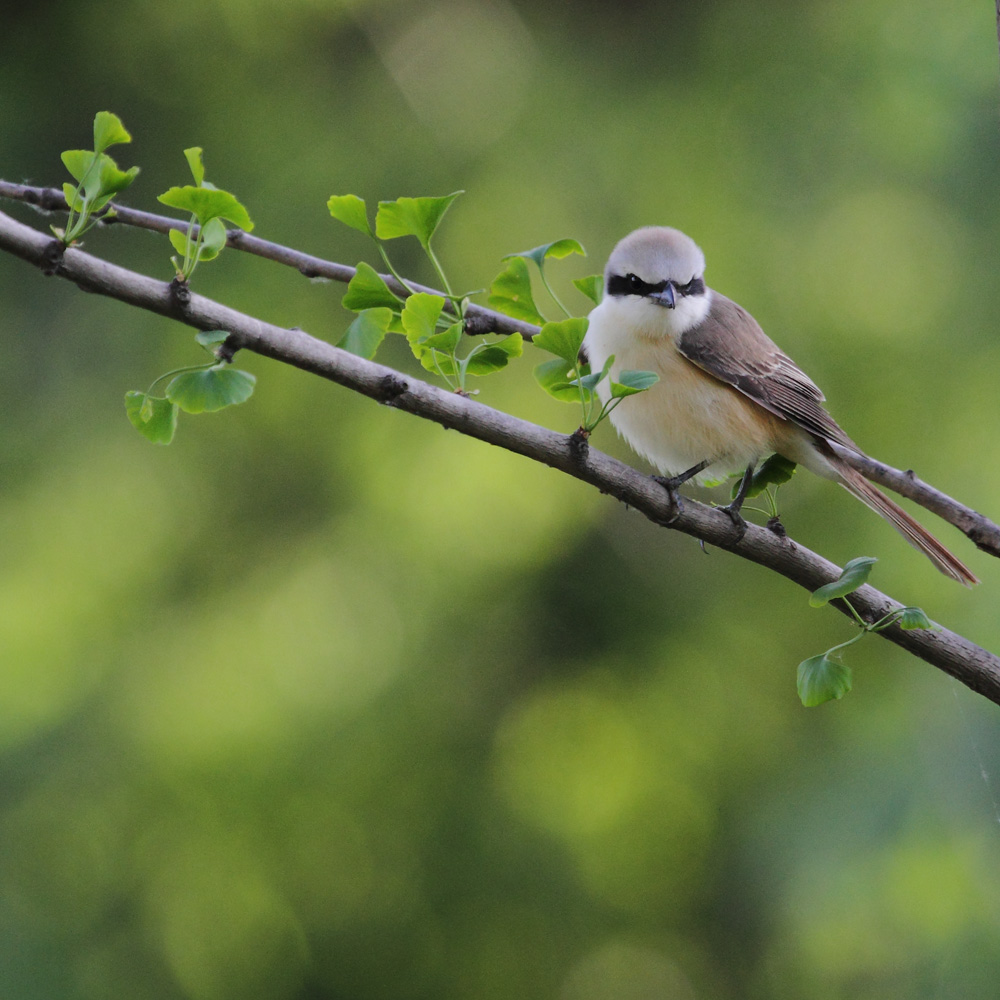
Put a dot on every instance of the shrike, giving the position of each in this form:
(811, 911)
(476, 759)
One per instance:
(727, 396)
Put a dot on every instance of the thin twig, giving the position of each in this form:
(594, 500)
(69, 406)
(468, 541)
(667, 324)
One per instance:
(950, 652)
(52, 200)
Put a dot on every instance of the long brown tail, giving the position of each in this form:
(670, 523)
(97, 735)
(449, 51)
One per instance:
(916, 534)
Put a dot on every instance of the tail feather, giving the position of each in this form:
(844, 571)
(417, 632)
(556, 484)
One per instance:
(916, 534)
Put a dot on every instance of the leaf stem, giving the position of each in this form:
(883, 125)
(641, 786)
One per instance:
(555, 298)
(180, 371)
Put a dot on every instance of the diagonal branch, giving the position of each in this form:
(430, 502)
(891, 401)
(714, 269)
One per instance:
(981, 530)
(950, 652)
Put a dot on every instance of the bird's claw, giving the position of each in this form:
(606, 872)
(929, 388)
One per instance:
(670, 484)
(733, 510)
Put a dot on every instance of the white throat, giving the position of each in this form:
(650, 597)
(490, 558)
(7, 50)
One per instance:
(689, 311)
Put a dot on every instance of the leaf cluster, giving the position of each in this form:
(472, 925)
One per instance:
(195, 389)
(97, 177)
(823, 677)
(205, 236)
(432, 324)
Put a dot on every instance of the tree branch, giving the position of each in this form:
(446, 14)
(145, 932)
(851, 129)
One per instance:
(973, 666)
(981, 530)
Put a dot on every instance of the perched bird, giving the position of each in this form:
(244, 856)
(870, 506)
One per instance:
(727, 396)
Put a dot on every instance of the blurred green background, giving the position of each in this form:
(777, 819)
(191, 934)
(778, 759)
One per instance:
(322, 702)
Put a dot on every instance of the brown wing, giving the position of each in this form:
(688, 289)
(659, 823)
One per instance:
(731, 346)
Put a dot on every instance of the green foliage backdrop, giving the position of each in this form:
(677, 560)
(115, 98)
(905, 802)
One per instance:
(322, 702)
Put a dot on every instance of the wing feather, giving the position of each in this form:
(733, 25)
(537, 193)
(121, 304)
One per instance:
(731, 346)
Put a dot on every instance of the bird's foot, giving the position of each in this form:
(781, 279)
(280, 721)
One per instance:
(670, 484)
(733, 510)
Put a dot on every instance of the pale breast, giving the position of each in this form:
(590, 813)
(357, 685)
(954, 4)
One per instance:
(686, 418)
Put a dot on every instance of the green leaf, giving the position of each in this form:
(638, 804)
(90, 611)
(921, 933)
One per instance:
(418, 217)
(213, 239)
(851, 577)
(563, 338)
(211, 339)
(493, 357)
(193, 155)
(555, 378)
(510, 293)
(420, 315)
(73, 199)
(210, 389)
(77, 162)
(179, 241)
(153, 417)
(916, 618)
(630, 382)
(772, 472)
(350, 210)
(366, 333)
(558, 250)
(592, 286)
(111, 180)
(367, 290)
(108, 131)
(822, 679)
(206, 203)
(447, 341)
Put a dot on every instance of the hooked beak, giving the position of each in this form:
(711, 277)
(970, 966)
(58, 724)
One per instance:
(665, 297)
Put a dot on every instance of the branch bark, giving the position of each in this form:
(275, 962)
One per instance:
(955, 655)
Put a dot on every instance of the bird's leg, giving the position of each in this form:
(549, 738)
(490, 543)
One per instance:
(670, 484)
(733, 509)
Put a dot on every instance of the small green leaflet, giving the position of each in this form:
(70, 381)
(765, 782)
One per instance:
(193, 156)
(916, 618)
(350, 210)
(555, 378)
(365, 335)
(153, 417)
(420, 316)
(631, 382)
(852, 576)
(206, 203)
(211, 339)
(488, 358)
(418, 217)
(563, 338)
(367, 290)
(510, 293)
(821, 679)
(557, 250)
(772, 472)
(447, 341)
(592, 286)
(108, 131)
(210, 389)
(98, 173)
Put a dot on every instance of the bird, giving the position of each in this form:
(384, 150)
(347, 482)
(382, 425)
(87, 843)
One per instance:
(727, 396)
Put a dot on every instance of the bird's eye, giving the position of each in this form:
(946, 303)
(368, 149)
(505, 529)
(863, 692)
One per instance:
(635, 283)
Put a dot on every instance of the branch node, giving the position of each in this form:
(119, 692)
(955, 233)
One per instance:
(52, 257)
(180, 293)
(477, 324)
(579, 445)
(226, 351)
(775, 526)
(391, 387)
